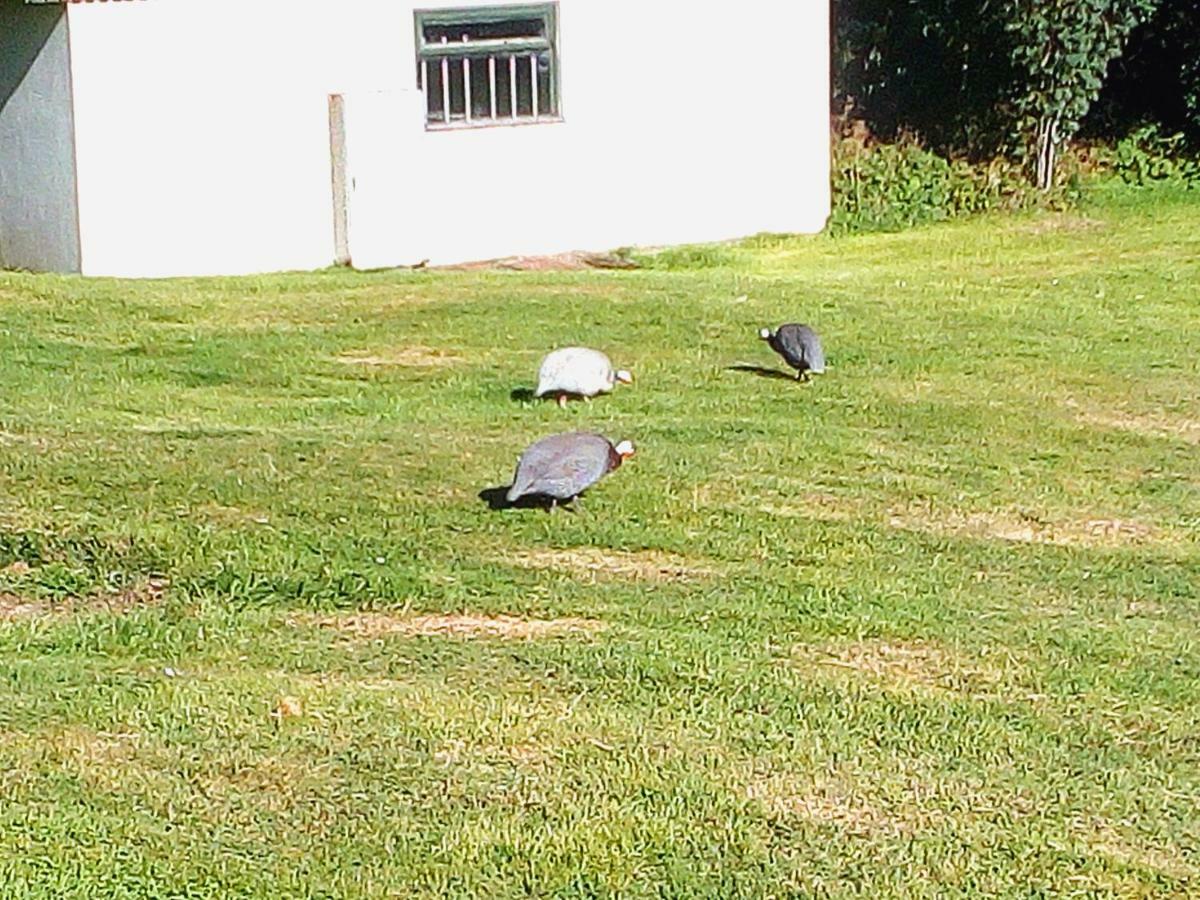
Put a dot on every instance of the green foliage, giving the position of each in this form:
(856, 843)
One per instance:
(977, 80)
(888, 187)
(1062, 49)
(1147, 156)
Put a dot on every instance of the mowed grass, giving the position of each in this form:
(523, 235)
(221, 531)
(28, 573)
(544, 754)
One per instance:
(927, 626)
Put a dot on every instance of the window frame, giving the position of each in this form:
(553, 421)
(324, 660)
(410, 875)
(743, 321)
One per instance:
(425, 51)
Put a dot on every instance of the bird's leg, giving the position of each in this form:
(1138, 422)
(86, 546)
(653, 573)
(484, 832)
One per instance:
(562, 401)
(799, 374)
(553, 505)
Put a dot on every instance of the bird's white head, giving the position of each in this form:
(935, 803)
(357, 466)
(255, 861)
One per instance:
(764, 333)
(624, 376)
(625, 449)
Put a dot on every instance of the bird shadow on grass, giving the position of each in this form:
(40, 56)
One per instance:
(521, 395)
(495, 498)
(760, 371)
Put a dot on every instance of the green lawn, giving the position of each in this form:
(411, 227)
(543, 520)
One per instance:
(927, 626)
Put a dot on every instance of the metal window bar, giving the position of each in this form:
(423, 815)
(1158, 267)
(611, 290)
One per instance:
(466, 71)
(473, 54)
(445, 87)
(533, 83)
(512, 86)
(492, 83)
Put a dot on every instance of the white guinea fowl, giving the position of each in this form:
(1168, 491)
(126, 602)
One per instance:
(579, 372)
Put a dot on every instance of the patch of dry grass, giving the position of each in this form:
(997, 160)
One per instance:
(372, 625)
(15, 607)
(1058, 223)
(1156, 425)
(595, 563)
(1118, 844)
(826, 801)
(909, 666)
(222, 514)
(416, 356)
(107, 762)
(876, 796)
(814, 505)
(1007, 525)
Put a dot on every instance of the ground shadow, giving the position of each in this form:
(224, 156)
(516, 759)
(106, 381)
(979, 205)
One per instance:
(761, 372)
(495, 498)
(521, 395)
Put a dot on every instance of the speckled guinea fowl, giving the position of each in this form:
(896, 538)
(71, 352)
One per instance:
(578, 372)
(798, 345)
(562, 466)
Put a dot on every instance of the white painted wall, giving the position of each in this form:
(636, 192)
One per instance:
(202, 133)
(667, 138)
(203, 147)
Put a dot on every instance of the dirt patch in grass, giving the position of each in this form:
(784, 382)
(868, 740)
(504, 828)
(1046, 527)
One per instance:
(571, 261)
(911, 666)
(14, 606)
(148, 592)
(1156, 426)
(409, 357)
(368, 626)
(1006, 525)
(594, 563)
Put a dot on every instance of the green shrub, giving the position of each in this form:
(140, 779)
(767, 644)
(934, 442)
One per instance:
(1147, 156)
(889, 187)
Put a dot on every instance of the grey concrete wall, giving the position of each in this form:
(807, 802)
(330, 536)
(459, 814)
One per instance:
(39, 217)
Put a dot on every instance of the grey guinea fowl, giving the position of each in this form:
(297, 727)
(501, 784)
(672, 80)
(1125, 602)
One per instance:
(562, 466)
(798, 345)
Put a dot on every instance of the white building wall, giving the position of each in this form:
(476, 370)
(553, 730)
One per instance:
(203, 143)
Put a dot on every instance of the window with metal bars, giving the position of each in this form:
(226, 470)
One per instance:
(489, 65)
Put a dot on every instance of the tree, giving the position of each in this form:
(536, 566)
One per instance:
(1062, 49)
